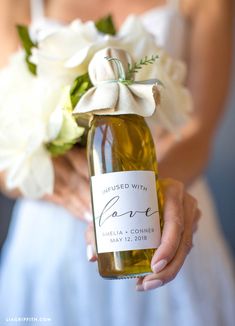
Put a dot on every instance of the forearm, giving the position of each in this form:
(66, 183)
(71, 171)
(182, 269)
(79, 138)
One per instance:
(184, 159)
(210, 58)
(209, 75)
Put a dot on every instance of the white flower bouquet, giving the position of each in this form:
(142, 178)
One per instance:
(46, 80)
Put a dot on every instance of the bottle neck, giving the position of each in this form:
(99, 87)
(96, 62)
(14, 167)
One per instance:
(117, 116)
(98, 120)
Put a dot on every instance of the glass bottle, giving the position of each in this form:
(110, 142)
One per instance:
(126, 201)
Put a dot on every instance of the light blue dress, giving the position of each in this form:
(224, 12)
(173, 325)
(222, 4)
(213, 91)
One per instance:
(44, 271)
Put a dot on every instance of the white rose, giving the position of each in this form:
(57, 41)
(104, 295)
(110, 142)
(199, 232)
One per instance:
(29, 118)
(65, 54)
(135, 39)
(175, 99)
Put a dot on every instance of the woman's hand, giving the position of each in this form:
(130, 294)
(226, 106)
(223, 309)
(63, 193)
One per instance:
(72, 189)
(181, 215)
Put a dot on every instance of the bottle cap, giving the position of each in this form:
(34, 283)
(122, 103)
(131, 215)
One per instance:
(115, 91)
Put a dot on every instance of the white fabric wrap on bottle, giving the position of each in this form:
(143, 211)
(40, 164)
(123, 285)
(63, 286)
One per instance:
(110, 96)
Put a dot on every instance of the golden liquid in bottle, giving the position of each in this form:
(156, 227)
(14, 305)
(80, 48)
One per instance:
(122, 143)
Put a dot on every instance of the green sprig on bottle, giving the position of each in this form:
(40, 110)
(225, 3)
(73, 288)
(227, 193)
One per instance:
(127, 79)
(132, 69)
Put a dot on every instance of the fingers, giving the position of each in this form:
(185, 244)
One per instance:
(154, 281)
(77, 200)
(77, 158)
(167, 262)
(186, 244)
(198, 215)
(83, 192)
(76, 207)
(173, 194)
(71, 190)
(90, 240)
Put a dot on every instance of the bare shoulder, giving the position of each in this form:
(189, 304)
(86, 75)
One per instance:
(193, 8)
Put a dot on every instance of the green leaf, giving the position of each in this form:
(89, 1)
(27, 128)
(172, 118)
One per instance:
(70, 133)
(139, 65)
(31, 66)
(57, 150)
(106, 26)
(68, 136)
(80, 86)
(27, 44)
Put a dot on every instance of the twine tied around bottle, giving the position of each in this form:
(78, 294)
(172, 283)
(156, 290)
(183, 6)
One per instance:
(127, 80)
(115, 92)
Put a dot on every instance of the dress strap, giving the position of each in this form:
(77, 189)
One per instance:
(36, 10)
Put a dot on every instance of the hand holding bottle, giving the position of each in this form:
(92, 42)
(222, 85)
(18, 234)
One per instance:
(181, 216)
(72, 190)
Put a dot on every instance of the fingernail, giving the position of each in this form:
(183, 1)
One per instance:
(158, 267)
(151, 285)
(139, 287)
(90, 252)
(88, 217)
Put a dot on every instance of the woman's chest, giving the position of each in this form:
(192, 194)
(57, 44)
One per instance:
(92, 10)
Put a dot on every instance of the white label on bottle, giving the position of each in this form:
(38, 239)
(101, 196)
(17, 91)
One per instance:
(126, 211)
